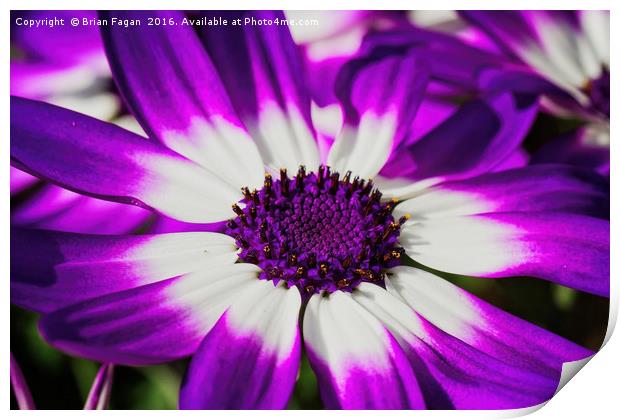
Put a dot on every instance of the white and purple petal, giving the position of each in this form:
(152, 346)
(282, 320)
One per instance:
(531, 189)
(154, 323)
(50, 270)
(178, 97)
(568, 249)
(376, 118)
(358, 363)
(454, 373)
(480, 324)
(250, 359)
(106, 161)
(262, 71)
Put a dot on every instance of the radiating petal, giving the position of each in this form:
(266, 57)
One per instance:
(154, 323)
(376, 118)
(534, 188)
(481, 324)
(50, 270)
(568, 249)
(263, 74)
(106, 161)
(178, 97)
(250, 358)
(358, 363)
(486, 373)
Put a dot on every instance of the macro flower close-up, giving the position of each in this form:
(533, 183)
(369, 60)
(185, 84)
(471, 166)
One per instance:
(376, 232)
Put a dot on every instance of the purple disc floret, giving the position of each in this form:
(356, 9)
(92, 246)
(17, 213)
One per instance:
(317, 231)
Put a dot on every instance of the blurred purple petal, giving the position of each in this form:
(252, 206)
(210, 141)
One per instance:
(20, 387)
(586, 147)
(476, 138)
(99, 394)
(450, 59)
(56, 208)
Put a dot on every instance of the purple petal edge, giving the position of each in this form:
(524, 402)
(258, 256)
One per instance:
(20, 387)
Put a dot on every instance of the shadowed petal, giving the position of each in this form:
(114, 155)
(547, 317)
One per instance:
(150, 324)
(586, 147)
(55, 208)
(50, 270)
(474, 140)
(451, 60)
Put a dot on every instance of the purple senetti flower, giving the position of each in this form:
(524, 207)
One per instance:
(312, 246)
(561, 55)
(569, 49)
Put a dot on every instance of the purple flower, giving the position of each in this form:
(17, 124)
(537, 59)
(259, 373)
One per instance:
(311, 245)
(561, 55)
(569, 49)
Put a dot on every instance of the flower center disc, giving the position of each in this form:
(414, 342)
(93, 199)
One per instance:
(316, 231)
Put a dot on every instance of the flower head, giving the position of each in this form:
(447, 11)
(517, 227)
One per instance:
(310, 237)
